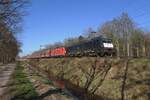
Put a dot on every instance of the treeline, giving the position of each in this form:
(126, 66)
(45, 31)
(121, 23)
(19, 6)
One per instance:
(11, 12)
(128, 38)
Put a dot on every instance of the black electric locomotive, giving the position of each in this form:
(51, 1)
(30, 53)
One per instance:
(98, 46)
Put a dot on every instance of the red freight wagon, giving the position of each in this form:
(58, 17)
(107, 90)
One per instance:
(52, 53)
(48, 53)
(42, 54)
(58, 52)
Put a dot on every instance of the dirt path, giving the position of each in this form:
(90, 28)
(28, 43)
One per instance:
(5, 74)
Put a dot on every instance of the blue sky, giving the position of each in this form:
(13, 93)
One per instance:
(50, 21)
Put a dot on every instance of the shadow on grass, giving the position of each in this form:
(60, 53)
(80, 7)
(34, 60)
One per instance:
(48, 93)
(81, 94)
(75, 90)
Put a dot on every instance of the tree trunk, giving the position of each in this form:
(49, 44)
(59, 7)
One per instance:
(144, 51)
(128, 49)
(118, 49)
(124, 79)
(131, 51)
(124, 50)
(137, 50)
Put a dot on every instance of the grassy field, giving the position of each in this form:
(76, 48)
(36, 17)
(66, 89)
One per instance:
(22, 89)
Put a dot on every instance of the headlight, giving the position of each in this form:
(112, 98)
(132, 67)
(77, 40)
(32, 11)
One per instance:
(108, 45)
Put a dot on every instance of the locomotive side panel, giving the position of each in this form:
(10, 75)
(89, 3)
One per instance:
(58, 52)
(98, 47)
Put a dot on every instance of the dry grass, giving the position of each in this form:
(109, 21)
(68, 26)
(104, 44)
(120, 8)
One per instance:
(76, 69)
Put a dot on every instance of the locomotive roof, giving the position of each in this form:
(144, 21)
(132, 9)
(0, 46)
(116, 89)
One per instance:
(100, 38)
(96, 38)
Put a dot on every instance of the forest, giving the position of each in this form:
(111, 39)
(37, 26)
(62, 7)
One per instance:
(11, 14)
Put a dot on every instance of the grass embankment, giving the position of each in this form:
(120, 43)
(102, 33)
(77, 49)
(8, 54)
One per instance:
(106, 74)
(23, 89)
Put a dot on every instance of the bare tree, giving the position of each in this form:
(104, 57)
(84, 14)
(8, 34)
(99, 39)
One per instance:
(11, 13)
(120, 30)
(126, 61)
(95, 75)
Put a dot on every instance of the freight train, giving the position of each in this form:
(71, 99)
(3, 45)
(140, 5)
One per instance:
(98, 46)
